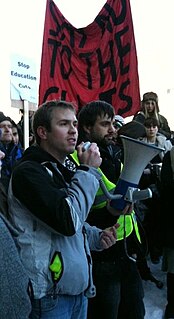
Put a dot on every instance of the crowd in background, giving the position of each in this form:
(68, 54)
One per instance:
(116, 272)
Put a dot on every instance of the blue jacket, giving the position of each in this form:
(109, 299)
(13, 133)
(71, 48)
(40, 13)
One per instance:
(13, 153)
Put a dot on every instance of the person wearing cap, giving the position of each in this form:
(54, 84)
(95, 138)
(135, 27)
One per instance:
(11, 150)
(150, 108)
(114, 149)
(118, 121)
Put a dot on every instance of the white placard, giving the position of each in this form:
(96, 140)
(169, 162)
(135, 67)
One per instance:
(23, 79)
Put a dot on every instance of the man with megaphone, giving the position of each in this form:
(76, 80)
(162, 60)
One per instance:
(118, 283)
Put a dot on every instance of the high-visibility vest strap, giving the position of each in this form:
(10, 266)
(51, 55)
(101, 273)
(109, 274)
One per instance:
(130, 224)
(101, 200)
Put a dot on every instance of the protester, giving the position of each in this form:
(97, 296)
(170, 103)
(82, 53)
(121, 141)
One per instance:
(153, 137)
(150, 108)
(151, 178)
(172, 137)
(54, 241)
(118, 121)
(16, 134)
(167, 217)
(3, 193)
(136, 130)
(118, 283)
(20, 126)
(14, 299)
(12, 151)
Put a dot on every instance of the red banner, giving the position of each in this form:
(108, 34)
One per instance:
(97, 62)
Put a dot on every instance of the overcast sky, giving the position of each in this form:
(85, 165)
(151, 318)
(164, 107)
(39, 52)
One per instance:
(21, 32)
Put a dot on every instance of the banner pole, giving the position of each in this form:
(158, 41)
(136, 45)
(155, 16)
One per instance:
(26, 124)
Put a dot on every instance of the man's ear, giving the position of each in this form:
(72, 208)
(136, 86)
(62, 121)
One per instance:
(42, 132)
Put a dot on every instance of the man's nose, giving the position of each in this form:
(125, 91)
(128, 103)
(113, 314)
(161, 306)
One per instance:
(73, 128)
(112, 128)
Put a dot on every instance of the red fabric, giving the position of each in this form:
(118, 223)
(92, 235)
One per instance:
(91, 63)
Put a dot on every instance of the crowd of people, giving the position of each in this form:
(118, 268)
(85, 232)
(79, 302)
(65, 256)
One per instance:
(69, 253)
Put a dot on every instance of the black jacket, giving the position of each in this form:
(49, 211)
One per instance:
(49, 205)
(167, 193)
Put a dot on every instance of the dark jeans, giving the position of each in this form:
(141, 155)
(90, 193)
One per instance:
(61, 307)
(119, 291)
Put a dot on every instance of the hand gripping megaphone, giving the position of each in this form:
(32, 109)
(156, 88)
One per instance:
(137, 154)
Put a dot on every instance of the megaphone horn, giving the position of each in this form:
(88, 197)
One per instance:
(137, 154)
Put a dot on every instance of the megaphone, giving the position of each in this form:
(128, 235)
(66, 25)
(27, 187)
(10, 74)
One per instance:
(137, 154)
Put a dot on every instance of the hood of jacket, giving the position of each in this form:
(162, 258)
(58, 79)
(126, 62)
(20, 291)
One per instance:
(37, 154)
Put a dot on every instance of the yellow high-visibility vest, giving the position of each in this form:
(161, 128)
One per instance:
(101, 200)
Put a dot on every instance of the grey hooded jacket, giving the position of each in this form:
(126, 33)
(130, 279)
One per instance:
(49, 209)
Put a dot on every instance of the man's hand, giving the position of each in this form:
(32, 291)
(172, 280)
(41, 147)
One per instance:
(147, 171)
(2, 155)
(108, 236)
(126, 211)
(91, 156)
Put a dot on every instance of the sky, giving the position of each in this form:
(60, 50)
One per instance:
(21, 32)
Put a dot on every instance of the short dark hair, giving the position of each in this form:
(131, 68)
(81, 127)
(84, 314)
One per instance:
(43, 115)
(151, 121)
(88, 114)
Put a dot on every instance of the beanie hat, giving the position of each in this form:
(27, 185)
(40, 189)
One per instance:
(118, 120)
(4, 118)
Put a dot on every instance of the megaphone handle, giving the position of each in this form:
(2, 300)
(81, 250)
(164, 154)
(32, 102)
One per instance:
(141, 194)
(106, 192)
